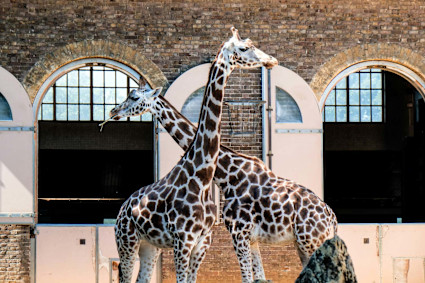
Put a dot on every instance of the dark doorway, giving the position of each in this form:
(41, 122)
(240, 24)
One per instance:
(84, 176)
(374, 172)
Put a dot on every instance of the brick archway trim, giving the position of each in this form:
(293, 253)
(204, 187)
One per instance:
(116, 51)
(368, 52)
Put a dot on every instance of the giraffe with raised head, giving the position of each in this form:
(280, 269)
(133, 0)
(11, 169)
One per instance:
(177, 211)
(259, 206)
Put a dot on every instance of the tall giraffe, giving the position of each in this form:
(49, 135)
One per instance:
(259, 206)
(177, 211)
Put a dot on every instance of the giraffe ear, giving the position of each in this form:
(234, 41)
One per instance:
(156, 92)
(235, 33)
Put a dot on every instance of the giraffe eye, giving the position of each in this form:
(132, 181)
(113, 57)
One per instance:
(244, 49)
(133, 98)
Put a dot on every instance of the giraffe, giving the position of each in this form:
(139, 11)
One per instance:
(177, 211)
(259, 206)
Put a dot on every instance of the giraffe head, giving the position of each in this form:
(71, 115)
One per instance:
(138, 102)
(242, 53)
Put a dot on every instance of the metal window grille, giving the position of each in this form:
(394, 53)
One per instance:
(87, 94)
(244, 116)
(358, 97)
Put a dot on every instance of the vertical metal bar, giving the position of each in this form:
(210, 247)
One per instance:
(97, 253)
(263, 113)
(269, 109)
(91, 94)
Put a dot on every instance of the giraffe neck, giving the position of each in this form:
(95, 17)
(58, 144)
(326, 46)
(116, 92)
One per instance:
(206, 144)
(179, 127)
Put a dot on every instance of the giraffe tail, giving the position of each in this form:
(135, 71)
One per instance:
(333, 220)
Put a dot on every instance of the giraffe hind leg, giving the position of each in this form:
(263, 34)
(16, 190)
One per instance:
(126, 265)
(148, 255)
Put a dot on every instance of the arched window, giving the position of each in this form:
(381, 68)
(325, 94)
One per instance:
(96, 166)
(356, 98)
(287, 110)
(192, 106)
(87, 94)
(5, 112)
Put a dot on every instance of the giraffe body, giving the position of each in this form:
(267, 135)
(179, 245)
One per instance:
(177, 211)
(259, 206)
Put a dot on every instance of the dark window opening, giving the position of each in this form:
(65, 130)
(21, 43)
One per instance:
(375, 172)
(84, 175)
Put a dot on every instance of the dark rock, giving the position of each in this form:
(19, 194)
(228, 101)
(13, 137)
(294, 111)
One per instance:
(331, 263)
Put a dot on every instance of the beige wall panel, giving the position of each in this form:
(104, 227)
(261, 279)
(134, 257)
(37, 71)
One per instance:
(297, 152)
(60, 256)
(365, 256)
(403, 241)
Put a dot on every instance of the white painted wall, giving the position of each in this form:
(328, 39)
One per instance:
(16, 154)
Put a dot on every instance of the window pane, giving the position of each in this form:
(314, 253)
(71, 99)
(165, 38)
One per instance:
(110, 78)
(365, 114)
(47, 112)
(133, 84)
(376, 80)
(376, 97)
(84, 112)
(353, 80)
(329, 114)
(72, 95)
(98, 96)
(192, 106)
(147, 117)
(61, 81)
(342, 83)
(377, 114)
(354, 114)
(121, 79)
(73, 78)
(287, 110)
(98, 112)
(60, 95)
(354, 97)
(108, 109)
(364, 97)
(73, 112)
(121, 94)
(61, 112)
(341, 97)
(48, 97)
(364, 80)
(84, 78)
(331, 98)
(109, 95)
(84, 95)
(5, 111)
(341, 114)
(98, 78)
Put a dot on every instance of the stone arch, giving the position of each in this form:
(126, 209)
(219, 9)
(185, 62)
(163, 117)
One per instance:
(413, 62)
(116, 51)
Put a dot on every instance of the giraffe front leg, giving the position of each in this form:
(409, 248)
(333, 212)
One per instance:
(148, 255)
(257, 264)
(197, 256)
(181, 259)
(243, 253)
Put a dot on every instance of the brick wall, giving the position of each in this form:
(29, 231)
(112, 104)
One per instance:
(177, 35)
(281, 262)
(14, 253)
